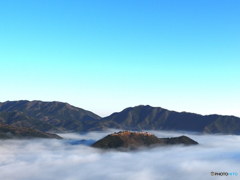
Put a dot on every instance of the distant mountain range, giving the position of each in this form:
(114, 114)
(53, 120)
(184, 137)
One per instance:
(156, 118)
(58, 116)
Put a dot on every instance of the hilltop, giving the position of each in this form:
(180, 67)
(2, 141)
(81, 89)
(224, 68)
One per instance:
(132, 140)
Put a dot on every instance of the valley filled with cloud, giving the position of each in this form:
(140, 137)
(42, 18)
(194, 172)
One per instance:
(72, 158)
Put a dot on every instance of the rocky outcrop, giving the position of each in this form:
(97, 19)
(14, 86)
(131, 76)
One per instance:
(133, 140)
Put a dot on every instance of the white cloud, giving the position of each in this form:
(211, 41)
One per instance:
(59, 159)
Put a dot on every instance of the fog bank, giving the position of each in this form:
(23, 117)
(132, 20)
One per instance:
(61, 159)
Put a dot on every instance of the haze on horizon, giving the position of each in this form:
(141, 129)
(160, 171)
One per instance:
(104, 56)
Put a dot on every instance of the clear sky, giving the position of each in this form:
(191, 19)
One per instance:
(107, 55)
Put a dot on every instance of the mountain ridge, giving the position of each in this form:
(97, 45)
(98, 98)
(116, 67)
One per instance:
(61, 116)
(58, 116)
(157, 118)
(13, 132)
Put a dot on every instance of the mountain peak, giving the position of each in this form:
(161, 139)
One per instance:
(47, 115)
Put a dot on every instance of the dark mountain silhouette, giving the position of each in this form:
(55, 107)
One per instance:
(20, 119)
(49, 115)
(133, 140)
(58, 116)
(156, 118)
(9, 132)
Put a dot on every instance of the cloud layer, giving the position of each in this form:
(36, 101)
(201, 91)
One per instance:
(64, 160)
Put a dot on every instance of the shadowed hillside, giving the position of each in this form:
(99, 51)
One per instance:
(57, 115)
(156, 118)
(9, 132)
(20, 119)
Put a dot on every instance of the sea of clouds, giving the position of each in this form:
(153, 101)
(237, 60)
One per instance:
(73, 159)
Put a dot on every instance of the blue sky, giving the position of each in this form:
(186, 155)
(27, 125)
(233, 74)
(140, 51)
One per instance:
(107, 55)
